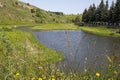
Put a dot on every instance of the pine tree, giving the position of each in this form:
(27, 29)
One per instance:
(111, 16)
(117, 12)
(102, 11)
(90, 13)
(85, 16)
(93, 13)
(106, 12)
(97, 14)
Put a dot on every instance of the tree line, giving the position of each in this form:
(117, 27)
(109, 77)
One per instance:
(102, 13)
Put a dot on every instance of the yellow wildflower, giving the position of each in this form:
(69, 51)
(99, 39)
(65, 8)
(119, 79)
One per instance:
(17, 74)
(119, 65)
(97, 74)
(40, 79)
(53, 78)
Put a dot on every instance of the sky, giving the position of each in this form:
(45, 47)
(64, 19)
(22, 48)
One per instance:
(65, 6)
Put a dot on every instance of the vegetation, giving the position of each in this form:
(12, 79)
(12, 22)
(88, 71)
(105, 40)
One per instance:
(78, 19)
(21, 56)
(102, 13)
(56, 26)
(101, 31)
(17, 12)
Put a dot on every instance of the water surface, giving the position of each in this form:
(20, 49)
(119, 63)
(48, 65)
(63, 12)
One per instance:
(82, 50)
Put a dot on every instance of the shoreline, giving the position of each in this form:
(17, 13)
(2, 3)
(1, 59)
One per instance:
(101, 31)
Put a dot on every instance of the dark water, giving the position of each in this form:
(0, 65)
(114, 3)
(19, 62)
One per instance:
(82, 50)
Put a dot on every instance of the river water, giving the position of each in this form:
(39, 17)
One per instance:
(82, 50)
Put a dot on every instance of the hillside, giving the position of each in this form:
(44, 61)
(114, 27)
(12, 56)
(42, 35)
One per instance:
(14, 12)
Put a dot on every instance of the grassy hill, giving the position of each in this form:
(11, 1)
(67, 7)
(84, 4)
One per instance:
(14, 12)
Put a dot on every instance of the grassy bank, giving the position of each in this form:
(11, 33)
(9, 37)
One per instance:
(21, 56)
(101, 31)
(94, 30)
(56, 26)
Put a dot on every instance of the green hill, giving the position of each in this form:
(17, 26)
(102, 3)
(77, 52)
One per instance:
(14, 12)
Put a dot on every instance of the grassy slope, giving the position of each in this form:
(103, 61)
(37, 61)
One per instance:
(20, 52)
(20, 13)
(16, 12)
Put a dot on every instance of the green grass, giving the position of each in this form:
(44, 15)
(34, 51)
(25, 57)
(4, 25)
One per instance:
(101, 31)
(21, 53)
(56, 26)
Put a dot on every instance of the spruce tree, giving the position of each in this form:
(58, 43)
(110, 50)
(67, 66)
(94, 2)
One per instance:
(93, 13)
(85, 16)
(106, 12)
(117, 12)
(102, 11)
(97, 14)
(90, 13)
(111, 16)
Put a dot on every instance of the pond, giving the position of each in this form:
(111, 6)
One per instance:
(82, 50)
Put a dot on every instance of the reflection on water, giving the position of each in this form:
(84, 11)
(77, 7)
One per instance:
(82, 50)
